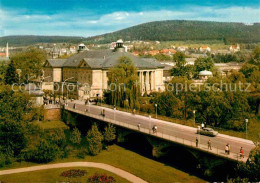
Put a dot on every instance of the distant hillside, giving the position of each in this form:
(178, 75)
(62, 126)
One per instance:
(185, 30)
(29, 40)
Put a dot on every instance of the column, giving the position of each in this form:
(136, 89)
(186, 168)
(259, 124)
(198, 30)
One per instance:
(142, 81)
(147, 80)
(152, 80)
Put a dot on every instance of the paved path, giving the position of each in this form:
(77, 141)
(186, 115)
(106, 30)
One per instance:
(167, 130)
(128, 176)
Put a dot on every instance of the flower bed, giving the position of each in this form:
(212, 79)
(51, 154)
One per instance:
(96, 178)
(73, 173)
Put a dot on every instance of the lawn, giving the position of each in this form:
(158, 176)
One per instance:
(46, 125)
(145, 168)
(53, 175)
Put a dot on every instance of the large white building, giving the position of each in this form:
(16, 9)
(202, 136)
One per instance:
(89, 68)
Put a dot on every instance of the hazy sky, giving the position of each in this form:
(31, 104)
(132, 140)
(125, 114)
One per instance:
(93, 17)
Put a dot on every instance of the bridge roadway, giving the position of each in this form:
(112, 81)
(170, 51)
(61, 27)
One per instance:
(167, 130)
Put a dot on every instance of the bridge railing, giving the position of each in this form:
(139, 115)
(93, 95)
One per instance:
(176, 139)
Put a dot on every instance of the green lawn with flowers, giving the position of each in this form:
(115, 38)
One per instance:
(59, 175)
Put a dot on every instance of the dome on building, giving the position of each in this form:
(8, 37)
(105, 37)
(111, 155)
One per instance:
(205, 73)
(119, 41)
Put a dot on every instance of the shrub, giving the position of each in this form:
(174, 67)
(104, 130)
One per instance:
(94, 138)
(96, 178)
(110, 133)
(4, 160)
(44, 151)
(75, 137)
(72, 173)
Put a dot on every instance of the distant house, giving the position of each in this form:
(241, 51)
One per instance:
(182, 48)
(72, 49)
(168, 51)
(204, 49)
(234, 48)
(153, 52)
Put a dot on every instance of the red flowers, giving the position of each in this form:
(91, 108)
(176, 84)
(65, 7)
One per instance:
(73, 173)
(101, 179)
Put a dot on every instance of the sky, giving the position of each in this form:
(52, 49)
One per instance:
(93, 17)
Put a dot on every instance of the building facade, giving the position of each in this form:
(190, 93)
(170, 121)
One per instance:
(88, 71)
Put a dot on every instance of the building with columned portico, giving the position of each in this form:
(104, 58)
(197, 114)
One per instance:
(89, 69)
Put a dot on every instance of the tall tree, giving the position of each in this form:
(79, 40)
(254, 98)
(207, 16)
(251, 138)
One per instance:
(109, 133)
(123, 81)
(11, 75)
(181, 68)
(30, 62)
(201, 64)
(94, 139)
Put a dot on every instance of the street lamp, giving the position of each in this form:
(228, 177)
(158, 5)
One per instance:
(246, 121)
(63, 84)
(155, 110)
(114, 114)
(194, 112)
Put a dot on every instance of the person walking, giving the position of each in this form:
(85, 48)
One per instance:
(241, 152)
(226, 149)
(139, 125)
(209, 144)
(197, 142)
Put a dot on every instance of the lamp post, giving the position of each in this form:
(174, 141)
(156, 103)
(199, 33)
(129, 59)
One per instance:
(114, 114)
(246, 121)
(194, 112)
(149, 123)
(63, 85)
(155, 110)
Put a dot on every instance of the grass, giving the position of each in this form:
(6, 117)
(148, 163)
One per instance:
(53, 175)
(253, 126)
(145, 168)
(46, 125)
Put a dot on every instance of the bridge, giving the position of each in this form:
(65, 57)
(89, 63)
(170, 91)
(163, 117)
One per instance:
(171, 132)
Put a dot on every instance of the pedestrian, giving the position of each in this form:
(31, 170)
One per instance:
(139, 125)
(197, 142)
(226, 149)
(241, 152)
(154, 128)
(209, 144)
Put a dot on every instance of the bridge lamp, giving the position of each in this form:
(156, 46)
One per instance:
(155, 110)
(194, 112)
(246, 121)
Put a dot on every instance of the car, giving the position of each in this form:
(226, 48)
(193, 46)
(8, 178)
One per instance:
(207, 131)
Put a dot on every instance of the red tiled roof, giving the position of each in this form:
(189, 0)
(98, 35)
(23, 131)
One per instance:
(2, 54)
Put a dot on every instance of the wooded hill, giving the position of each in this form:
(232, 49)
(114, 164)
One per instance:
(180, 30)
(20, 40)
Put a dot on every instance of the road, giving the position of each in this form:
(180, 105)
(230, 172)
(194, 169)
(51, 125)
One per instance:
(128, 176)
(188, 134)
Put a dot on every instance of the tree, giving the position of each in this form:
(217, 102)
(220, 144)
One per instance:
(75, 137)
(3, 68)
(109, 133)
(124, 79)
(43, 152)
(247, 69)
(94, 139)
(251, 170)
(30, 62)
(181, 69)
(202, 64)
(168, 104)
(11, 75)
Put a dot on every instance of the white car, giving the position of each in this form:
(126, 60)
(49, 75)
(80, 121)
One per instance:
(207, 131)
